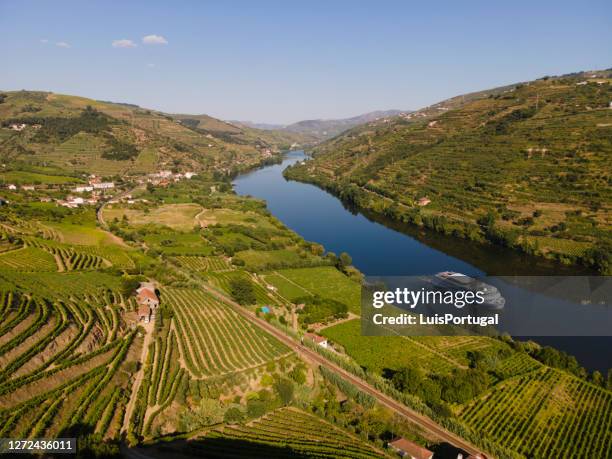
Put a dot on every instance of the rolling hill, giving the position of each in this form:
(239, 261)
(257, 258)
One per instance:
(526, 165)
(80, 135)
(243, 134)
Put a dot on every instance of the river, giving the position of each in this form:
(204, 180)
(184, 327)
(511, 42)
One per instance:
(380, 247)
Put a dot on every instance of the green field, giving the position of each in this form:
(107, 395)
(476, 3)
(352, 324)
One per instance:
(179, 243)
(378, 353)
(261, 260)
(176, 216)
(325, 281)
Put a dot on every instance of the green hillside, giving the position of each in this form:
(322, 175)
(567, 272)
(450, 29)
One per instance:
(242, 134)
(526, 166)
(80, 135)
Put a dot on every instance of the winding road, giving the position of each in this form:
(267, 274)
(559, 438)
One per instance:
(123, 194)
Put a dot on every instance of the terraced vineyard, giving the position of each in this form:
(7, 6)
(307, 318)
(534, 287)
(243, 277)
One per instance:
(203, 263)
(163, 376)
(84, 152)
(28, 259)
(546, 414)
(60, 285)
(63, 365)
(67, 258)
(216, 340)
(283, 433)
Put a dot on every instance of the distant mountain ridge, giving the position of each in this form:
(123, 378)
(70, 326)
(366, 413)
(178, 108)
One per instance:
(324, 128)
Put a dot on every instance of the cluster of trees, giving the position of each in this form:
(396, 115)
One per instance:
(318, 309)
(501, 125)
(242, 290)
(359, 413)
(211, 411)
(118, 150)
(438, 391)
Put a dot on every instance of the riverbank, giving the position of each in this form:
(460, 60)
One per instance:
(487, 232)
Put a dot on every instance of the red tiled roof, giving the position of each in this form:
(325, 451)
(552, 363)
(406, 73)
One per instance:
(144, 311)
(411, 448)
(146, 293)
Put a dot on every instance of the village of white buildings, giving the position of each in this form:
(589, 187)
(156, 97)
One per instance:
(97, 189)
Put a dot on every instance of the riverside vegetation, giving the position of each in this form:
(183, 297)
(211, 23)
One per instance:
(202, 379)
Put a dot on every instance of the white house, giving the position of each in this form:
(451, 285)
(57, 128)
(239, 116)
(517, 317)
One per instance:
(318, 340)
(103, 185)
(12, 187)
(83, 189)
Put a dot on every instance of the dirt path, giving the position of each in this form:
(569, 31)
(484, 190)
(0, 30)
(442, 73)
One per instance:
(203, 224)
(129, 409)
(100, 211)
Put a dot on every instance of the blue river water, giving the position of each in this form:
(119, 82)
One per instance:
(380, 247)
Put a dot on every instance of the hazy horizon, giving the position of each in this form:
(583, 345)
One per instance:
(277, 63)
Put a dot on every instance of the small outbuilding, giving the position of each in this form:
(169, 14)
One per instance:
(144, 314)
(406, 448)
(318, 340)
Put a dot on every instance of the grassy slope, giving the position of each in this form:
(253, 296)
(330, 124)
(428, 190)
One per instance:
(535, 155)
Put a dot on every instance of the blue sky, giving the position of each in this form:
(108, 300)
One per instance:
(287, 61)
